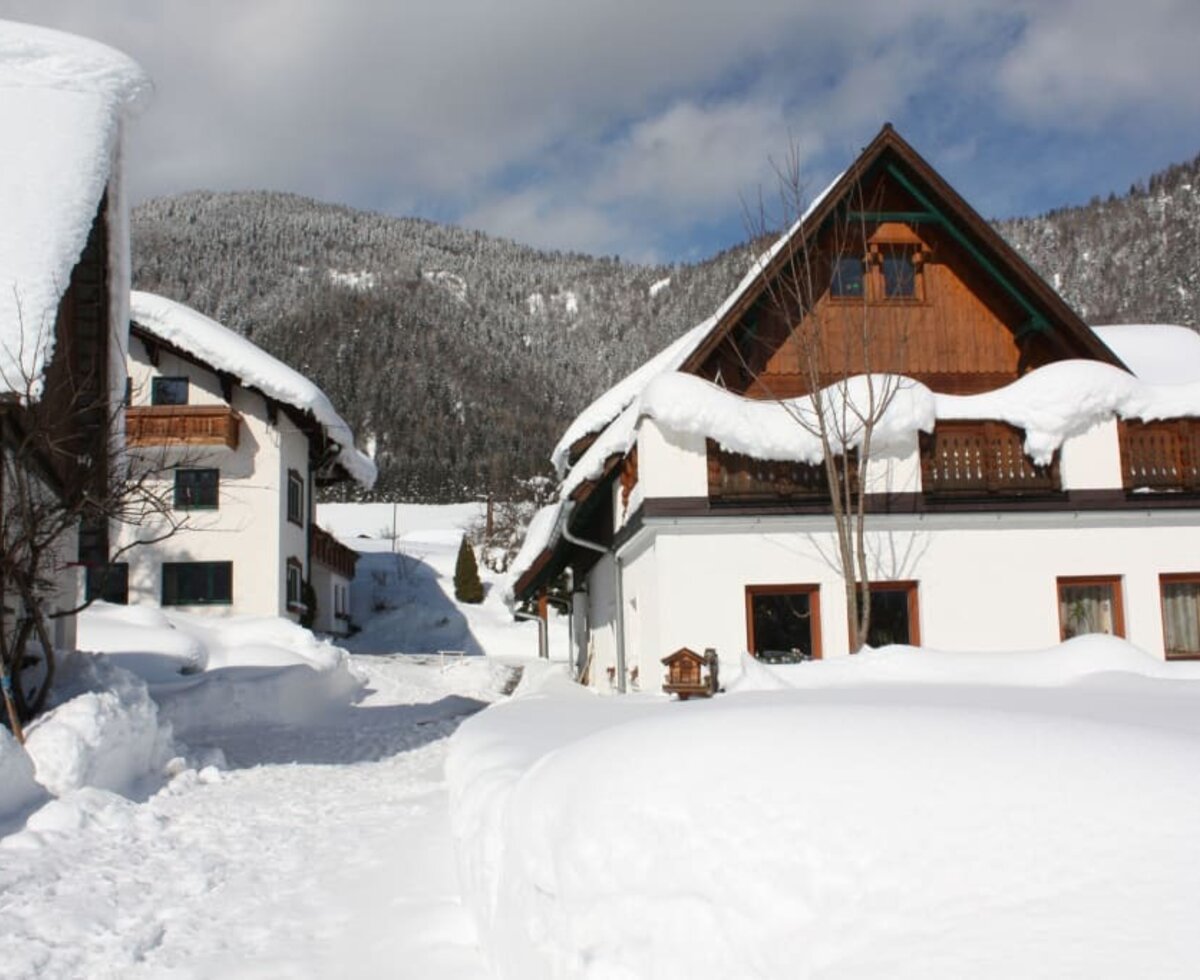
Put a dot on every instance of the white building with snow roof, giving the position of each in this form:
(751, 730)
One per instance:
(65, 103)
(240, 442)
(1033, 479)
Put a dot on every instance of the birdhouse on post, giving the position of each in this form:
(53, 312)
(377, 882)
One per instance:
(686, 676)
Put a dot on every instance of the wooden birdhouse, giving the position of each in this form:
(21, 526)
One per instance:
(686, 675)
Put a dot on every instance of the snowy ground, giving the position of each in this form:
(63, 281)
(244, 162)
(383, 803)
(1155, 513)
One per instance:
(217, 798)
(292, 820)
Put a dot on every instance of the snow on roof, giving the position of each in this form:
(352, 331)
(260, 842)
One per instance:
(221, 348)
(61, 101)
(1051, 404)
(1160, 353)
(614, 401)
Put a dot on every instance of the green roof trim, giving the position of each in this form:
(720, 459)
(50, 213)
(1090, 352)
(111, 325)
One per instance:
(1037, 322)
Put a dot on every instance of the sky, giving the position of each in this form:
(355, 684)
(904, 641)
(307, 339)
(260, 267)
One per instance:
(643, 129)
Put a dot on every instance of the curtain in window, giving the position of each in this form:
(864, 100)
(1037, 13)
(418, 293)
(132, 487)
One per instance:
(1086, 609)
(1181, 616)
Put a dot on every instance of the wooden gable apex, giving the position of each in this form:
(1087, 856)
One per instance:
(995, 319)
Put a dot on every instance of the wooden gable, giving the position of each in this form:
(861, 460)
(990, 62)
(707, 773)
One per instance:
(892, 272)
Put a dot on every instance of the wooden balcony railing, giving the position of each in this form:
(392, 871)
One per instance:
(972, 458)
(1162, 455)
(734, 476)
(191, 425)
(331, 553)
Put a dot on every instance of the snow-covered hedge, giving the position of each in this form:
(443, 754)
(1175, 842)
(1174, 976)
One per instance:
(982, 826)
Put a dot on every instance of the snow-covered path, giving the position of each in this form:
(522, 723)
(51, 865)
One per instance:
(320, 851)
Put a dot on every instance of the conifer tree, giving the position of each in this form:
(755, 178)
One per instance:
(467, 587)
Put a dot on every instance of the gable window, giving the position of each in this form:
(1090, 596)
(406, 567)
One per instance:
(169, 391)
(295, 587)
(1090, 605)
(1180, 595)
(108, 582)
(295, 498)
(783, 622)
(848, 280)
(197, 583)
(899, 276)
(197, 489)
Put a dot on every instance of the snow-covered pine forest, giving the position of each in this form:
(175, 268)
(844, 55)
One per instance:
(463, 356)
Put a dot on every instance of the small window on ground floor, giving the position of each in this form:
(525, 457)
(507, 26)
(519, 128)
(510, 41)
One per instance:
(1181, 615)
(893, 614)
(783, 622)
(295, 585)
(198, 583)
(1090, 605)
(109, 583)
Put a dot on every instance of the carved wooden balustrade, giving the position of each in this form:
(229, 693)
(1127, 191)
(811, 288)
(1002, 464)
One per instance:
(190, 425)
(982, 457)
(737, 477)
(1162, 455)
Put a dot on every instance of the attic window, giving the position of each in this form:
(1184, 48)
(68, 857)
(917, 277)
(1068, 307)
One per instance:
(899, 276)
(847, 281)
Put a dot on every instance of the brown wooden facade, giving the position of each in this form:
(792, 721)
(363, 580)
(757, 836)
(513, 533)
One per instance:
(973, 317)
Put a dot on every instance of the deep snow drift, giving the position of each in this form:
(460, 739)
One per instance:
(892, 815)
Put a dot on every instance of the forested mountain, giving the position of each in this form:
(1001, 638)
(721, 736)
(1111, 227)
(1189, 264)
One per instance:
(461, 357)
(1130, 259)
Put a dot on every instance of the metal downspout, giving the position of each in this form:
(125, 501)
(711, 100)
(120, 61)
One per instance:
(620, 591)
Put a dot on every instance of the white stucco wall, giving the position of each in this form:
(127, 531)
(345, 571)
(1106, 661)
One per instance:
(985, 581)
(325, 583)
(1092, 461)
(250, 526)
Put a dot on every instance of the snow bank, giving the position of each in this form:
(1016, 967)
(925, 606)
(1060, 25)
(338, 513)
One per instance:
(61, 103)
(962, 828)
(1075, 660)
(105, 731)
(207, 673)
(18, 787)
(141, 639)
(225, 350)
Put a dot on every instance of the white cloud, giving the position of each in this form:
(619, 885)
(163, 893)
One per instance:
(1083, 63)
(614, 125)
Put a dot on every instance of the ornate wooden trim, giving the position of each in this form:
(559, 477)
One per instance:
(982, 457)
(1160, 455)
(195, 425)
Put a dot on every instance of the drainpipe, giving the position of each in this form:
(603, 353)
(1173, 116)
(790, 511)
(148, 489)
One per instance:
(543, 632)
(620, 591)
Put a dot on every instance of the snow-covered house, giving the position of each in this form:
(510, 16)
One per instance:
(64, 271)
(1024, 486)
(240, 442)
